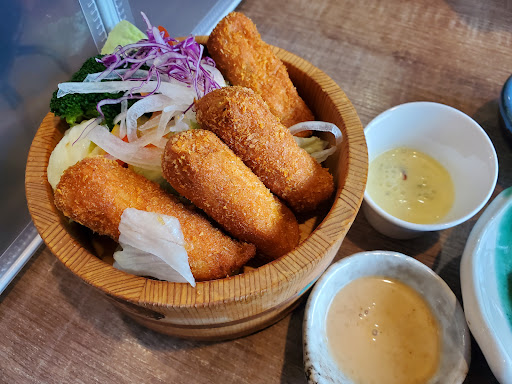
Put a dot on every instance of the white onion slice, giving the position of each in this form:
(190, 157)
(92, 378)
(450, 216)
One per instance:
(132, 153)
(151, 123)
(180, 125)
(179, 93)
(154, 135)
(120, 117)
(153, 245)
(174, 90)
(116, 75)
(322, 126)
(165, 117)
(321, 156)
(217, 76)
(147, 138)
(160, 143)
(176, 107)
(122, 125)
(150, 103)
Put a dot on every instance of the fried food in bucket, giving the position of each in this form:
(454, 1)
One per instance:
(246, 60)
(204, 170)
(95, 192)
(244, 122)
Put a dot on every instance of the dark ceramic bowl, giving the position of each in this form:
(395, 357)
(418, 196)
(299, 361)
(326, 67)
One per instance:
(506, 108)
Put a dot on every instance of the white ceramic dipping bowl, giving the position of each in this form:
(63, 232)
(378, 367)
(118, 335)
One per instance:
(320, 367)
(452, 138)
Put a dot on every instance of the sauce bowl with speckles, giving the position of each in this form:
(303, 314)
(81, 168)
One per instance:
(454, 355)
(451, 138)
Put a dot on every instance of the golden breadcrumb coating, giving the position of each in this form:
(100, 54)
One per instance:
(246, 60)
(204, 170)
(95, 192)
(243, 121)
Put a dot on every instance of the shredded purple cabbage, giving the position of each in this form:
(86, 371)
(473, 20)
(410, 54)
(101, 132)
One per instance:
(166, 58)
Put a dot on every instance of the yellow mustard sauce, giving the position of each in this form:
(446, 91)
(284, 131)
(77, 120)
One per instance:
(411, 186)
(382, 331)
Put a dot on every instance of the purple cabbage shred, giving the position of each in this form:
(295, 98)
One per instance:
(166, 58)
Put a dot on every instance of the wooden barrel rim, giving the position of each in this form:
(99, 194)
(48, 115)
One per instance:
(123, 286)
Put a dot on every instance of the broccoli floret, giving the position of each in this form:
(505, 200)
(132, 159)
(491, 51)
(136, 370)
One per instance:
(77, 107)
(89, 66)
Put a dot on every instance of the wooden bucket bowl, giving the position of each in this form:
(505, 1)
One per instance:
(234, 306)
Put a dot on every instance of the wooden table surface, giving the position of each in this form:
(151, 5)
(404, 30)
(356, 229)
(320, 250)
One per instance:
(55, 329)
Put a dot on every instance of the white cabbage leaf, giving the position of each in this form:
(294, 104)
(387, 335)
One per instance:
(153, 245)
(72, 148)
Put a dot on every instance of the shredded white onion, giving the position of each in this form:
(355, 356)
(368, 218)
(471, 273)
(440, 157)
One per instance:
(321, 156)
(174, 90)
(324, 153)
(151, 123)
(143, 75)
(180, 125)
(141, 146)
(134, 153)
(217, 76)
(153, 245)
(165, 117)
(122, 125)
(322, 126)
(150, 103)
(116, 75)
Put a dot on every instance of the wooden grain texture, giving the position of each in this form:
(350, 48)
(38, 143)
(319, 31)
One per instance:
(56, 329)
(225, 308)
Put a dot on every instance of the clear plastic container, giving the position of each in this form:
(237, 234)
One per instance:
(44, 44)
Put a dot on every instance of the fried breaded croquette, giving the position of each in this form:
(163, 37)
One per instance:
(244, 122)
(204, 170)
(95, 192)
(244, 59)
